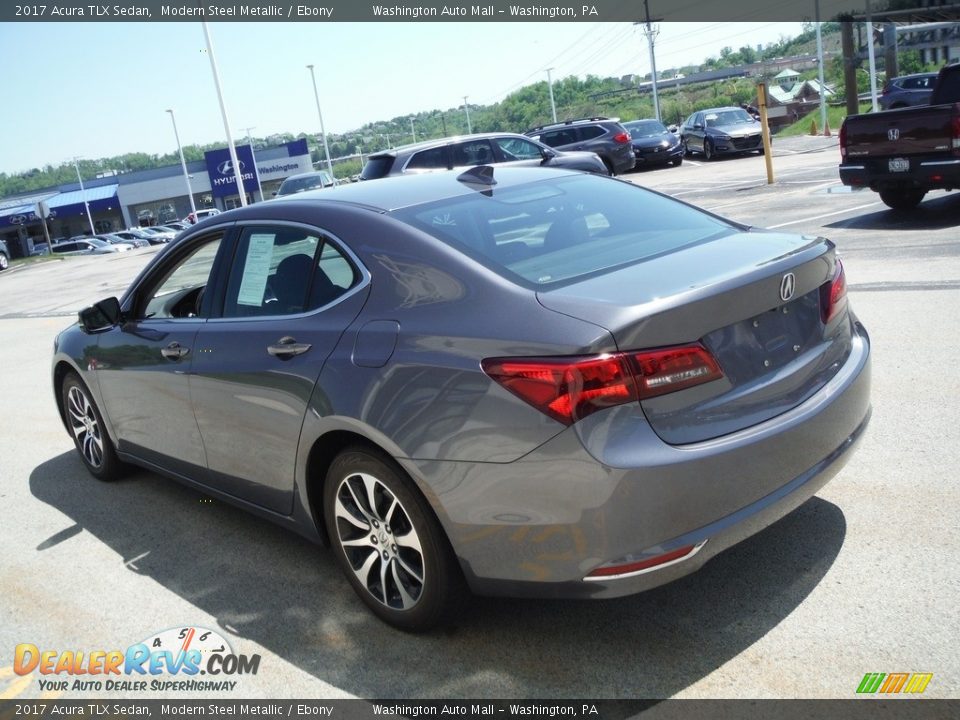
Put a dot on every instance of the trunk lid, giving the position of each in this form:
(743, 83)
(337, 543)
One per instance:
(726, 294)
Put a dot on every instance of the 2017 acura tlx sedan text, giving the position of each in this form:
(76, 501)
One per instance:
(413, 369)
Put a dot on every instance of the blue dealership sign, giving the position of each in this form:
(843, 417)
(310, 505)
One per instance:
(222, 177)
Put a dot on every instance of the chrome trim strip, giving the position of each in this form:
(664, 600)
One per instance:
(852, 167)
(940, 162)
(644, 571)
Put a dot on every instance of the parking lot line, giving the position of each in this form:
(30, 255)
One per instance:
(824, 215)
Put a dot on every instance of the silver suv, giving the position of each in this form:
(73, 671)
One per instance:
(473, 150)
(601, 135)
(908, 91)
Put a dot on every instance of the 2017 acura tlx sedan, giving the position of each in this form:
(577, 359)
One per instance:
(413, 369)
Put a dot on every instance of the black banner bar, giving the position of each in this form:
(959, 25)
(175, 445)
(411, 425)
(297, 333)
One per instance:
(855, 709)
(427, 11)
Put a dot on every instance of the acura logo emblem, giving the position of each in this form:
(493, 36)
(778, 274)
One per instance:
(893, 134)
(226, 167)
(787, 286)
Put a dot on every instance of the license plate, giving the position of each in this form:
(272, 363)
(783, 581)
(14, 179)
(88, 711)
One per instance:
(899, 165)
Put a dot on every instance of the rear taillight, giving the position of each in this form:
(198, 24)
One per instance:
(956, 134)
(833, 294)
(843, 140)
(571, 388)
(621, 138)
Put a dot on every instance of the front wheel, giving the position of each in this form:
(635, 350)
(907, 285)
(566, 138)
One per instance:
(902, 199)
(679, 161)
(89, 433)
(388, 542)
(4, 262)
(708, 153)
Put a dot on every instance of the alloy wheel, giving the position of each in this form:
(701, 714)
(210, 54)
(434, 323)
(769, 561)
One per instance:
(85, 427)
(379, 541)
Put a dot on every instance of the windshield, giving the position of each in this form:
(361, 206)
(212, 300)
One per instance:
(645, 128)
(727, 117)
(557, 231)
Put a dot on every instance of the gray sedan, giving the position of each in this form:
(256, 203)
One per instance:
(511, 381)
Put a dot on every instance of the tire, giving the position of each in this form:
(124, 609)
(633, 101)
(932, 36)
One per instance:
(678, 162)
(609, 167)
(388, 543)
(4, 262)
(708, 153)
(902, 199)
(686, 149)
(86, 426)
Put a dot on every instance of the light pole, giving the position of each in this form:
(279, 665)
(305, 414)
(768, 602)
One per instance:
(183, 164)
(83, 194)
(412, 130)
(553, 105)
(823, 92)
(226, 122)
(253, 157)
(651, 34)
(467, 108)
(316, 95)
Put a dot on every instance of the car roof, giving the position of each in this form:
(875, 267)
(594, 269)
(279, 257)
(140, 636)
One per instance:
(312, 173)
(440, 142)
(392, 193)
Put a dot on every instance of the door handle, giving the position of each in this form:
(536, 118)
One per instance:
(174, 351)
(287, 347)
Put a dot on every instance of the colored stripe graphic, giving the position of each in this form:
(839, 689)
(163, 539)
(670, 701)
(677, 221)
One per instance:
(894, 683)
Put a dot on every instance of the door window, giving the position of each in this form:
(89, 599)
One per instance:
(285, 271)
(475, 152)
(589, 132)
(179, 292)
(428, 159)
(517, 149)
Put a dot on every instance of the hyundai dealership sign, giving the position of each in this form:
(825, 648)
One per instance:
(223, 179)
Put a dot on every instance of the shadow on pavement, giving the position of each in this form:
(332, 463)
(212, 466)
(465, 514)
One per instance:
(936, 213)
(269, 585)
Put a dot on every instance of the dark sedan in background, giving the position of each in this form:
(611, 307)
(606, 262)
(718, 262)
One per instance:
(721, 131)
(519, 381)
(653, 144)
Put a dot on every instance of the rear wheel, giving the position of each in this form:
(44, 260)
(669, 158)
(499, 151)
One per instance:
(88, 431)
(4, 261)
(388, 542)
(902, 199)
(708, 153)
(609, 166)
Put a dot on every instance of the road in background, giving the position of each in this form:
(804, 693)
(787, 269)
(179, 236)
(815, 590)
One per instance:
(862, 578)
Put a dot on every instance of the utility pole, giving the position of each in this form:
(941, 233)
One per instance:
(467, 108)
(226, 121)
(323, 132)
(83, 194)
(553, 105)
(651, 34)
(873, 60)
(412, 130)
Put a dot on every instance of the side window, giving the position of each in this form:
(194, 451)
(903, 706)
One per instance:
(556, 138)
(428, 159)
(285, 271)
(179, 292)
(589, 132)
(517, 149)
(475, 152)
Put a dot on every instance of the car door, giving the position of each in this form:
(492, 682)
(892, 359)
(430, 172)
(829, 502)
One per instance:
(143, 365)
(519, 152)
(290, 294)
(471, 153)
(695, 133)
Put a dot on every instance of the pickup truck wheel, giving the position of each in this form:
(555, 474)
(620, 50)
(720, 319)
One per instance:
(902, 199)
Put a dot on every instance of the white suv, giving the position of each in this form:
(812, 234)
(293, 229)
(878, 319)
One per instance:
(195, 217)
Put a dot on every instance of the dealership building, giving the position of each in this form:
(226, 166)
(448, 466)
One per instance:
(148, 197)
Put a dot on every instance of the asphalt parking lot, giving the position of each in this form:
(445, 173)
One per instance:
(863, 578)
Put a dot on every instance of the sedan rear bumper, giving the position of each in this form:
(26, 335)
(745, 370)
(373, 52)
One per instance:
(609, 491)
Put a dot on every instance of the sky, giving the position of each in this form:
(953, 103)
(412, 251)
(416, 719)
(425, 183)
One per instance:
(101, 89)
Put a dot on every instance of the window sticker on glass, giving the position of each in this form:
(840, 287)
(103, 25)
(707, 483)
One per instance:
(256, 268)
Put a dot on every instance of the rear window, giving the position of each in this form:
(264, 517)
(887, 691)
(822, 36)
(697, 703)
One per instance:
(554, 232)
(377, 167)
(301, 184)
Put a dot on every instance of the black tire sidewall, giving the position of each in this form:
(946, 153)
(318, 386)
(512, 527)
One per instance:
(442, 578)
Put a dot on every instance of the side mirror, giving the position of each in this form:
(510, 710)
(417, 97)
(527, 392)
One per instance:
(548, 155)
(274, 193)
(101, 316)
(698, 126)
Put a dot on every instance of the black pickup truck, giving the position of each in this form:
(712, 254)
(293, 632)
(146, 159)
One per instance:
(902, 154)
